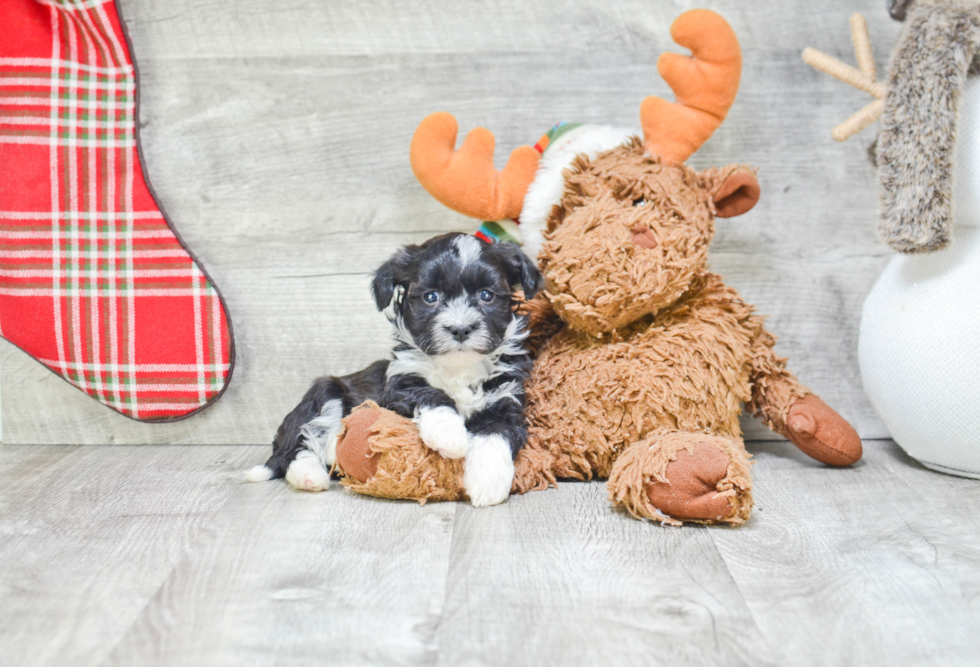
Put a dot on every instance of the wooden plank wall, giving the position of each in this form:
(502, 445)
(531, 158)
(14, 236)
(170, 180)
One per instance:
(277, 135)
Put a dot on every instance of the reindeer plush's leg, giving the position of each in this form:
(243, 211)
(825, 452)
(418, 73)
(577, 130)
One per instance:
(379, 453)
(789, 408)
(674, 476)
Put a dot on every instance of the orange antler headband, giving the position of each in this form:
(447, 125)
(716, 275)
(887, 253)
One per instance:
(705, 84)
(466, 180)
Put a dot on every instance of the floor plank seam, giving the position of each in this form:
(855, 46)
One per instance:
(445, 589)
(206, 533)
(741, 596)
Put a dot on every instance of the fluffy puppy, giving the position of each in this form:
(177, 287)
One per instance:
(457, 369)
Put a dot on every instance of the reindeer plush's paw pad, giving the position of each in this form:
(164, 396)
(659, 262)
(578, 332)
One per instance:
(801, 424)
(306, 473)
(444, 430)
(488, 472)
(820, 432)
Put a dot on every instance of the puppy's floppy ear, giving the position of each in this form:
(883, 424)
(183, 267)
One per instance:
(396, 271)
(520, 268)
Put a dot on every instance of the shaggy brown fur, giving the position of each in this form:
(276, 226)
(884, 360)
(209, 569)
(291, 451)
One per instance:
(915, 148)
(405, 467)
(597, 279)
(542, 322)
(657, 348)
(380, 454)
(689, 368)
(647, 464)
(643, 378)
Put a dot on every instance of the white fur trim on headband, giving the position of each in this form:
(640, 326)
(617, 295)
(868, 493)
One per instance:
(549, 182)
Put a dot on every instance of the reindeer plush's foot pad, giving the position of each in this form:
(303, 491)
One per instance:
(692, 490)
(674, 477)
(354, 455)
(820, 432)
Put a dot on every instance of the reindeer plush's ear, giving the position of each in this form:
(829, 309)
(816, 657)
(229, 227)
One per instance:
(734, 190)
(520, 268)
(393, 273)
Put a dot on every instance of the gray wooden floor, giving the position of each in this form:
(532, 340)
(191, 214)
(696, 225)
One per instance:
(161, 555)
(277, 133)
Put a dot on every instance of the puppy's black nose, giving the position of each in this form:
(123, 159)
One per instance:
(460, 332)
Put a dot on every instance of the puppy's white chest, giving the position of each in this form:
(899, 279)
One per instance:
(461, 377)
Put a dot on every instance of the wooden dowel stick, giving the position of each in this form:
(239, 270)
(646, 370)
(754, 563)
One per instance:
(869, 114)
(862, 47)
(846, 73)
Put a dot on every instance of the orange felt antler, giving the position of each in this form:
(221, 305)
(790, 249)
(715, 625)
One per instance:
(466, 180)
(705, 84)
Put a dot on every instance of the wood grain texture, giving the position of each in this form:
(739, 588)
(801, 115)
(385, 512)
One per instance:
(295, 578)
(88, 535)
(859, 566)
(276, 136)
(164, 556)
(558, 577)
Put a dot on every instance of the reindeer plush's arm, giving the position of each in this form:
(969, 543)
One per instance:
(789, 408)
(774, 387)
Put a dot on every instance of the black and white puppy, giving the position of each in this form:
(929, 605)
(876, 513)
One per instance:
(457, 369)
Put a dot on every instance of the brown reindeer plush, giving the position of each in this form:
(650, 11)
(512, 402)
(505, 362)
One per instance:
(645, 356)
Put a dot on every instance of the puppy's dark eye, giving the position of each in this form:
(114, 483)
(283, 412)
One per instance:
(640, 202)
(431, 297)
(486, 296)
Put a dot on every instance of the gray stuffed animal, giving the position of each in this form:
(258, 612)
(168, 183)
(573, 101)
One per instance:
(917, 349)
(916, 145)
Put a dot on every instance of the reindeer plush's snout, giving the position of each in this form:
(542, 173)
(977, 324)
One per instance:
(643, 237)
(628, 240)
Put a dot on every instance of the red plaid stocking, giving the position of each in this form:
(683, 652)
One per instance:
(94, 283)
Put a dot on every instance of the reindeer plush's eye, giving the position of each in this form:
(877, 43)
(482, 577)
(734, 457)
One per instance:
(486, 296)
(431, 297)
(640, 202)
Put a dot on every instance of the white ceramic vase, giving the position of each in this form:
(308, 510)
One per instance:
(919, 346)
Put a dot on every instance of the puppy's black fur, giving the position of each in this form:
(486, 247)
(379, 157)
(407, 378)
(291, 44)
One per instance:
(450, 302)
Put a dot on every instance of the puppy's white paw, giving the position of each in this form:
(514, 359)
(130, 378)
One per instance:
(258, 474)
(443, 430)
(488, 472)
(306, 473)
